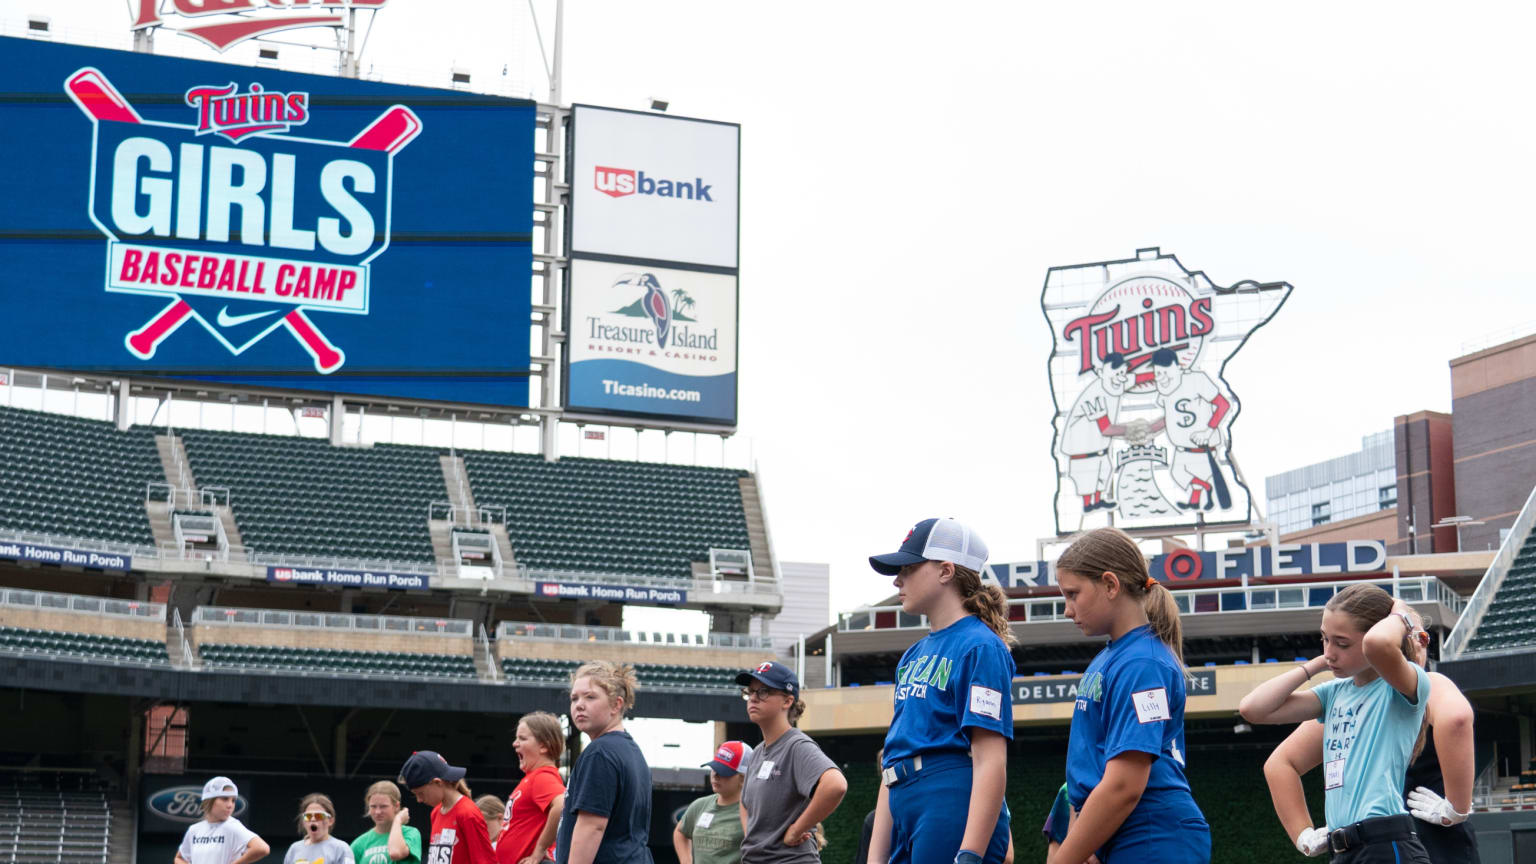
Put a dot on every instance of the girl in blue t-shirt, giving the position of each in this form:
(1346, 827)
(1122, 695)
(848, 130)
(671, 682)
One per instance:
(1372, 715)
(1125, 757)
(946, 752)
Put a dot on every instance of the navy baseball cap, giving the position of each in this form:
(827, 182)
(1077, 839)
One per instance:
(775, 675)
(935, 540)
(424, 766)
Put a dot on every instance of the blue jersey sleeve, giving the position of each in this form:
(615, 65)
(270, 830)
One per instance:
(1139, 706)
(599, 784)
(1421, 694)
(986, 678)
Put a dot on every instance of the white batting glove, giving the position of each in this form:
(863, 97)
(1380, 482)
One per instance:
(1312, 842)
(1424, 804)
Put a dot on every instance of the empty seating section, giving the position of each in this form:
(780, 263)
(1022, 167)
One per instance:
(119, 649)
(1510, 621)
(65, 475)
(598, 515)
(302, 496)
(52, 819)
(331, 661)
(714, 679)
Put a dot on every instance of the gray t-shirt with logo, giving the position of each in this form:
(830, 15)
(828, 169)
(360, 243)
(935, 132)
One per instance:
(780, 779)
(327, 851)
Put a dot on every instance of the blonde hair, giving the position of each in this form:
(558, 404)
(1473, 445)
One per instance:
(986, 601)
(546, 731)
(490, 807)
(382, 787)
(1110, 550)
(615, 679)
(315, 798)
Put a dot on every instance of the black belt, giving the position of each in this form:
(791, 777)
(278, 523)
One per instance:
(1378, 830)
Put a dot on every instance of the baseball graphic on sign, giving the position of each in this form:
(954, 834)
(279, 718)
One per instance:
(1143, 411)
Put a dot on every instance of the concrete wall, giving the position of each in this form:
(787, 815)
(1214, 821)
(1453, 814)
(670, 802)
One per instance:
(628, 652)
(1496, 836)
(1493, 401)
(81, 622)
(335, 640)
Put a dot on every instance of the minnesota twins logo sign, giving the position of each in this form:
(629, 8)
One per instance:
(239, 224)
(1143, 413)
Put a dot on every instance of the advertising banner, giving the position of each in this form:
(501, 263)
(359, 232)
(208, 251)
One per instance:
(1028, 692)
(1282, 561)
(348, 578)
(1144, 414)
(651, 341)
(170, 218)
(17, 551)
(611, 593)
(651, 186)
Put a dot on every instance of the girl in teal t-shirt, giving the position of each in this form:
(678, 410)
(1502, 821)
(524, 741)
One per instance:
(391, 839)
(1373, 718)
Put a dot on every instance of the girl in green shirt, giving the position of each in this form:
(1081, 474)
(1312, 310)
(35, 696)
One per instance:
(391, 839)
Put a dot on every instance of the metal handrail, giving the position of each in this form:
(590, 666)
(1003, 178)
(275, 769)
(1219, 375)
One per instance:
(533, 631)
(57, 602)
(70, 541)
(1256, 598)
(281, 618)
(489, 655)
(1461, 635)
(181, 637)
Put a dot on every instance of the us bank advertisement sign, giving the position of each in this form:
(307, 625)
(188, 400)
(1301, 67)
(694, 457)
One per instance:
(652, 341)
(1144, 412)
(169, 218)
(651, 186)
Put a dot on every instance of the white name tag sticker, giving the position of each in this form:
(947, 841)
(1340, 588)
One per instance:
(1333, 774)
(765, 770)
(986, 702)
(1151, 705)
(705, 820)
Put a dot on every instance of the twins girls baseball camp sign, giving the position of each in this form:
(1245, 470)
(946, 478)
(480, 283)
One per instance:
(1143, 423)
(175, 219)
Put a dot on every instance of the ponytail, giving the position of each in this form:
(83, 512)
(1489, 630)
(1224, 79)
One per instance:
(796, 711)
(986, 601)
(1110, 550)
(463, 789)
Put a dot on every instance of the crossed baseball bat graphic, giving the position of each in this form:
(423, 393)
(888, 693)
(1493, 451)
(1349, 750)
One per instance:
(390, 132)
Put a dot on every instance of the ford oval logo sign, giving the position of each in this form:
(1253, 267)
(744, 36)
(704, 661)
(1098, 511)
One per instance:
(185, 804)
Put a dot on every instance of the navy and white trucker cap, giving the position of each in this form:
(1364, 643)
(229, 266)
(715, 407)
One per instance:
(935, 540)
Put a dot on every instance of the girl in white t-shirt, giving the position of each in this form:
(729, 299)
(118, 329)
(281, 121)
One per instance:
(220, 838)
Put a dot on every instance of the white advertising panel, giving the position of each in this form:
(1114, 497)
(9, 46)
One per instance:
(652, 341)
(650, 186)
(1144, 412)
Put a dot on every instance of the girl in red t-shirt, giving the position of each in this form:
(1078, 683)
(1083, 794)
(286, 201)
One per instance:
(533, 812)
(458, 835)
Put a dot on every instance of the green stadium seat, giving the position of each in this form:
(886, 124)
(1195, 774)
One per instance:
(1510, 621)
(89, 645)
(67, 475)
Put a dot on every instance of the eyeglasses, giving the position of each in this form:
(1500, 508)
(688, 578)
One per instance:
(316, 817)
(758, 693)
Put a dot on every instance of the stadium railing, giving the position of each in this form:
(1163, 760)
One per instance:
(1461, 635)
(55, 602)
(75, 542)
(573, 633)
(384, 624)
(1192, 601)
(102, 629)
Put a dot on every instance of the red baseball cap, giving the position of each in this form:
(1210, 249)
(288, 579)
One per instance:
(729, 758)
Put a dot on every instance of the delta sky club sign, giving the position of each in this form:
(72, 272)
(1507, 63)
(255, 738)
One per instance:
(1144, 414)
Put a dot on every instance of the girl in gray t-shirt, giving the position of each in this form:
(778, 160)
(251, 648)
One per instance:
(316, 816)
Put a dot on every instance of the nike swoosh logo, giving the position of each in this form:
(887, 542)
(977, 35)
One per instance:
(227, 320)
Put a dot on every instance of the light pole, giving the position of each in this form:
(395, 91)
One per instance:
(1457, 522)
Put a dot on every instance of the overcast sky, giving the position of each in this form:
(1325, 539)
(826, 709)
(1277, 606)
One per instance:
(911, 170)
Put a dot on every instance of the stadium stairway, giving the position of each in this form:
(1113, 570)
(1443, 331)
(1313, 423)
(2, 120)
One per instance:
(1508, 620)
(757, 526)
(179, 475)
